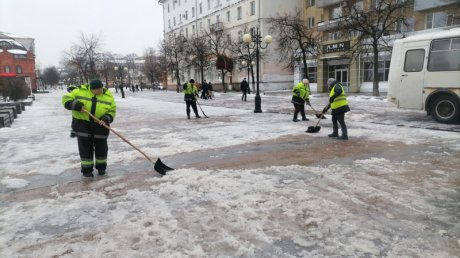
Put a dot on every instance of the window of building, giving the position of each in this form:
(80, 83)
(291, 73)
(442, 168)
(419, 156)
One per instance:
(193, 12)
(239, 13)
(406, 25)
(453, 20)
(218, 18)
(174, 21)
(311, 74)
(7, 69)
(168, 8)
(383, 71)
(335, 12)
(200, 6)
(209, 23)
(311, 2)
(193, 29)
(240, 35)
(228, 16)
(444, 55)
(169, 23)
(229, 38)
(186, 32)
(436, 20)
(253, 8)
(209, 4)
(311, 22)
(414, 60)
(335, 35)
(186, 15)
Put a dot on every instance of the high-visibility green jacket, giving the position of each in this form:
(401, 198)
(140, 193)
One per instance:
(340, 100)
(190, 91)
(300, 93)
(101, 106)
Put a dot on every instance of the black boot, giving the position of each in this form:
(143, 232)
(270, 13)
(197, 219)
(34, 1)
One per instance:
(334, 134)
(88, 174)
(188, 116)
(344, 135)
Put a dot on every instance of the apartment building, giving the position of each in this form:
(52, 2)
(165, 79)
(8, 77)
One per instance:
(357, 75)
(192, 17)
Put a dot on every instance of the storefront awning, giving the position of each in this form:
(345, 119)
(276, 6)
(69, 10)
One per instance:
(7, 75)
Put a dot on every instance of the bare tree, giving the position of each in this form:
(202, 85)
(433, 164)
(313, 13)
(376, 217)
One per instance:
(107, 69)
(90, 46)
(370, 27)
(220, 50)
(152, 67)
(199, 51)
(296, 41)
(173, 49)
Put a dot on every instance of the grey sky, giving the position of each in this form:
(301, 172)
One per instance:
(124, 26)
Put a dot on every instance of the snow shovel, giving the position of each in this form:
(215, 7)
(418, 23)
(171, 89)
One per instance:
(159, 167)
(315, 129)
(201, 108)
(318, 115)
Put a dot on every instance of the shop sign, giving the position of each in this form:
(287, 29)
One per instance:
(337, 47)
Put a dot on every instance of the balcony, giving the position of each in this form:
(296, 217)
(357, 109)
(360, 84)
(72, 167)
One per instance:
(218, 26)
(422, 5)
(326, 3)
(330, 24)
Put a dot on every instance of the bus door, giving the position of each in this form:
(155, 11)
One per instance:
(412, 78)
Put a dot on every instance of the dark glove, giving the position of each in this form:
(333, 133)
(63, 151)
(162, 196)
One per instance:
(331, 99)
(326, 108)
(78, 106)
(307, 101)
(107, 120)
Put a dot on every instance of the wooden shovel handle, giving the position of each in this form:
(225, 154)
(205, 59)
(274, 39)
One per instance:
(119, 135)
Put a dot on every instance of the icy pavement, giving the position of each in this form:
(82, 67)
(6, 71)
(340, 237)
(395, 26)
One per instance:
(249, 185)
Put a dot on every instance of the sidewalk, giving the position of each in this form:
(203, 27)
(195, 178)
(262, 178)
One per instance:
(245, 184)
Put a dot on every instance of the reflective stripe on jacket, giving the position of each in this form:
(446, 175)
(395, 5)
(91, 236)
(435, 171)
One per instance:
(340, 100)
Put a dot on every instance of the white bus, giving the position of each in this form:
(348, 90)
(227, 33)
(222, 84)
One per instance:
(425, 74)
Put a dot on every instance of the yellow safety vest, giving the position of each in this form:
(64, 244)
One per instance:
(340, 100)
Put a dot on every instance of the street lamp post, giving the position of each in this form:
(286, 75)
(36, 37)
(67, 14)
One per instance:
(257, 44)
(120, 72)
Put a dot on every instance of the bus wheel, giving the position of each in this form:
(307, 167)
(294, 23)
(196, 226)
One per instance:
(445, 109)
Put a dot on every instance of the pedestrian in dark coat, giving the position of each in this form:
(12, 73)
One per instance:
(204, 90)
(244, 86)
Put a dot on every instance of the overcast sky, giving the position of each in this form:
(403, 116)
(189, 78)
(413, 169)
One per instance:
(124, 26)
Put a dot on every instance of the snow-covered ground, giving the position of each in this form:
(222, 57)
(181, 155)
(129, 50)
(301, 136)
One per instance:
(399, 199)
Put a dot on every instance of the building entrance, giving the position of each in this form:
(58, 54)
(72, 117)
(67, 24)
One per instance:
(340, 73)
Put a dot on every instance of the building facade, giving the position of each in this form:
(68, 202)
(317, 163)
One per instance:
(357, 75)
(193, 17)
(18, 60)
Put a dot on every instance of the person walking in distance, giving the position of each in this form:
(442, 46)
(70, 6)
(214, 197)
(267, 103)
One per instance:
(339, 105)
(91, 135)
(190, 94)
(244, 86)
(301, 94)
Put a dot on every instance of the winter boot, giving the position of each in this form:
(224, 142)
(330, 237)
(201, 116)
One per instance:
(188, 116)
(305, 119)
(344, 135)
(88, 174)
(101, 172)
(334, 134)
(198, 116)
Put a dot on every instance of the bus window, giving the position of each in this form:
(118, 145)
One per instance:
(414, 60)
(444, 55)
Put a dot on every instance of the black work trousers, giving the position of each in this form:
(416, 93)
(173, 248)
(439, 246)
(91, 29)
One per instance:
(193, 104)
(299, 109)
(88, 147)
(340, 117)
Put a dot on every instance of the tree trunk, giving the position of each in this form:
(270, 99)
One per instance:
(305, 67)
(375, 81)
(223, 80)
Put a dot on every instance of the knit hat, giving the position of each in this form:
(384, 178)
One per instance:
(192, 81)
(95, 84)
(330, 81)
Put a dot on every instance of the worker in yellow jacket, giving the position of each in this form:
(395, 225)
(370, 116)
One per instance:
(92, 135)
